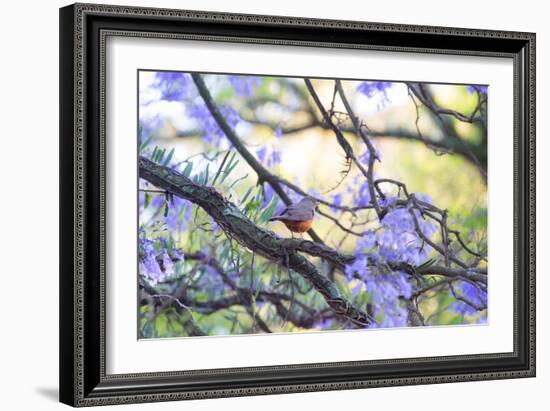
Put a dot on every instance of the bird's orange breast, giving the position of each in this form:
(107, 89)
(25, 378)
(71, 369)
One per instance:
(298, 226)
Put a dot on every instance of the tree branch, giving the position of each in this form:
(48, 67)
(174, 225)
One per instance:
(448, 144)
(261, 171)
(423, 95)
(263, 242)
(372, 151)
(350, 155)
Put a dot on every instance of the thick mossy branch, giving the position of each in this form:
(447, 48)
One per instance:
(259, 240)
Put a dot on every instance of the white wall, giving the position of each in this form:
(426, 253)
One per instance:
(29, 206)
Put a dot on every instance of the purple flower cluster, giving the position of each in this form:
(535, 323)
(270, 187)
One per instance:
(155, 202)
(179, 214)
(363, 194)
(398, 239)
(173, 86)
(470, 293)
(211, 131)
(395, 241)
(372, 88)
(156, 258)
(156, 255)
(336, 199)
(385, 289)
(269, 156)
(244, 85)
(388, 201)
(472, 89)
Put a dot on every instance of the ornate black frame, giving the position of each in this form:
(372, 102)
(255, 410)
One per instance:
(83, 30)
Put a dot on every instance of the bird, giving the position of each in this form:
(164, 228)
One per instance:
(298, 217)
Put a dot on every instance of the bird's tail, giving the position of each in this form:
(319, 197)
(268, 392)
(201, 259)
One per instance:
(276, 218)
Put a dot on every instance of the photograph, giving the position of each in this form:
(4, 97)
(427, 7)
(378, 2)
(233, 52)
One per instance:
(256, 204)
(270, 204)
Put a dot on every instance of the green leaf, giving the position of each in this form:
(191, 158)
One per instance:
(161, 155)
(259, 288)
(238, 180)
(426, 264)
(245, 197)
(161, 324)
(268, 211)
(230, 167)
(252, 205)
(187, 170)
(158, 154)
(168, 157)
(260, 195)
(206, 174)
(200, 178)
(147, 141)
(147, 200)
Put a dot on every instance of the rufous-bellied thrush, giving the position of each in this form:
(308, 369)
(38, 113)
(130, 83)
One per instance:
(298, 217)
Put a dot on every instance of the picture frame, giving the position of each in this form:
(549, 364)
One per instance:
(84, 81)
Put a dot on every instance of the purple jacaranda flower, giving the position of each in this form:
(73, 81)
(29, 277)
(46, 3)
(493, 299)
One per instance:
(477, 89)
(324, 324)
(474, 296)
(370, 88)
(155, 201)
(482, 319)
(388, 201)
(394, 317)
(424, 198)
(359, 268)
(172, 85)
(150, 269)
(376, 90)
(402, 283)
(398, 239)
(366, 242)
(275, 158)
(399, 220)
(211, 131)
(261, 153)
(269, 156)
(363, 195)
(268, 194)
(386, 291)
(244, 85)
(167, 263)
(179, 214)
(336, 199)
(365, 156)
(178, 254)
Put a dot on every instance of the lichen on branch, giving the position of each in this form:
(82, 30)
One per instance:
(257, 239)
